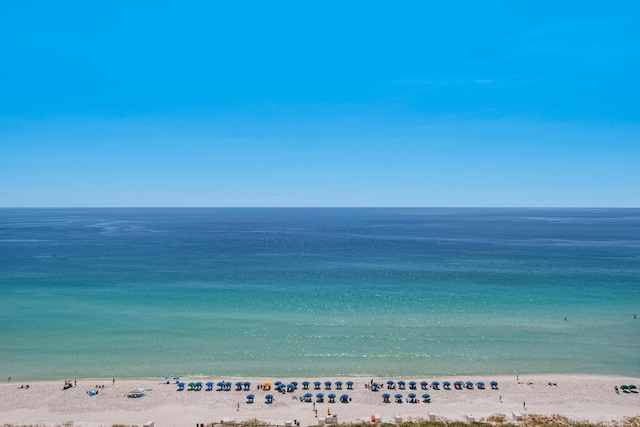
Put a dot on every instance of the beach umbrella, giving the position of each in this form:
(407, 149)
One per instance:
(291, 387)
(308, 395)
(349, 385)
(338, 384)
(632, 387)
(401, 384)
(376, 385)
(319, 397)
(398, 396)
(446, 384)
(331, 396)
(457, 384)
(390, 383)
(624, 387)
(269, 398)
(295, 383)
(344, 398)
(247, 385)
(469, 384)
(191, 385)
(426, 397)
(386, 396)
(411, 395)
(480, 384)
(277, 383)
(199, 384)
(209, 384)
(250, 397)
(412, 384)
(424, 384)
(266, 384)
(305, 385)
(228, 385)
(327, 384)
(317, 384)
(494, 384)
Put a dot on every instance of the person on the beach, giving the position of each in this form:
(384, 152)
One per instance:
(616, 389)
(238, 407)
(75, 383)
(524, 405)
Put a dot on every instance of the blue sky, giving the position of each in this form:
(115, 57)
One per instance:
(321, 103)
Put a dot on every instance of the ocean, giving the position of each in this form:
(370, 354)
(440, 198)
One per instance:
(318, 292)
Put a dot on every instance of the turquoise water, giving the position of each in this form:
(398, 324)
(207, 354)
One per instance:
(310, 292)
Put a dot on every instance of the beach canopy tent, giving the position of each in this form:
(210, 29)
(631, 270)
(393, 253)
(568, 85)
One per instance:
(136, 392)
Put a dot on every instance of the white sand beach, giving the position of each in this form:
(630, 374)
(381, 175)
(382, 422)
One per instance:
(580, 397)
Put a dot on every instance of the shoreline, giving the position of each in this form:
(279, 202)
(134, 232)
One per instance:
(588, 397)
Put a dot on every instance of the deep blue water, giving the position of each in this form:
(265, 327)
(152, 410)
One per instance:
(146, 292)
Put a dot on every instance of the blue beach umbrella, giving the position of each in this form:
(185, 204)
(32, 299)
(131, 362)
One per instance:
(480, 384)
(308, 395)
(305, 385)
(295, 383)
(349, 385)
(446, 384)
(320, 397)
(426, 397)
(435, 384)
(331, 397)
(412, 384)
(424, 384)
(411, 395)
(401, 384)
(338, 384)
(469, 384)
(228, 385)
(376, 385)
(386, 396)
(210, 384)
(398, 396)
(344, 398)
(494, 384)
(316, 385)
(250, 398)
(390, 383)
(327, 384)
(247, 385)
(269, 398)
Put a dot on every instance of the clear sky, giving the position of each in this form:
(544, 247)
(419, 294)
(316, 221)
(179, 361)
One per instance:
(320, 103)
